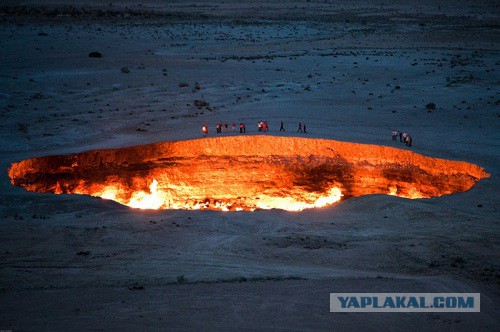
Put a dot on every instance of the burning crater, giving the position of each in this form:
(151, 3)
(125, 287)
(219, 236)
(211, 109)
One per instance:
(245, 173)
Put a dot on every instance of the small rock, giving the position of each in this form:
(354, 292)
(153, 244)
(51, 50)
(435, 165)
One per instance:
(95, 55)
(430, 106)
(136, 287)
(200, 103)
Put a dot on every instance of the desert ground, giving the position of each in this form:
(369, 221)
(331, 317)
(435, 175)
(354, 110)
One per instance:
(352, 71)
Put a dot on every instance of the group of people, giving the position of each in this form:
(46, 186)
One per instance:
(403, 137)
(224, 126)
(220, 126)
(264, 127)
(261, 125)
(302, 128)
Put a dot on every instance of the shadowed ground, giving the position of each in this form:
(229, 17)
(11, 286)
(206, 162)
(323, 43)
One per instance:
(352, 71)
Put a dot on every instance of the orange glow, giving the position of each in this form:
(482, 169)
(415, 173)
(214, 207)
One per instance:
(245, 173)
(157, 198)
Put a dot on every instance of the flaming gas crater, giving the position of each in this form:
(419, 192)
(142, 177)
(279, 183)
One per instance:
(245, 173)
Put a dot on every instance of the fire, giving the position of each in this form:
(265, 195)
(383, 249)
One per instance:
(159, 199)
(245, 173)
(411, 193)
(292, 204)
(143, 200)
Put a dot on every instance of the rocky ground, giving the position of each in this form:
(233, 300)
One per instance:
(351, 71)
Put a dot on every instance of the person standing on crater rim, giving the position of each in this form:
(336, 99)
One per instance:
(282, 127)
(304, 126)
(205, 130)
(300, 128)
(234, 127)
(408, 140)
(401, 136)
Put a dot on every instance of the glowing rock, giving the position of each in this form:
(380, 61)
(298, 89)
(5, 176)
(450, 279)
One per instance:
(245, 173)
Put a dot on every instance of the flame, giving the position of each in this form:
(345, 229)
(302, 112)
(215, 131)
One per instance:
(393, 191)
(409, 192)
(143, 200)
(153, 200)
(291, 204)
(413, 193)
(159, 199)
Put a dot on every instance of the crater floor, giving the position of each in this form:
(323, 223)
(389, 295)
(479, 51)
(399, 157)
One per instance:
(245, 173)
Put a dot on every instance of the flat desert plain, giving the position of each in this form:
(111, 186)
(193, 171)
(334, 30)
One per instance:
(351, 71)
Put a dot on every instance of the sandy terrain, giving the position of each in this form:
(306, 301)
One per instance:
(352, 71)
